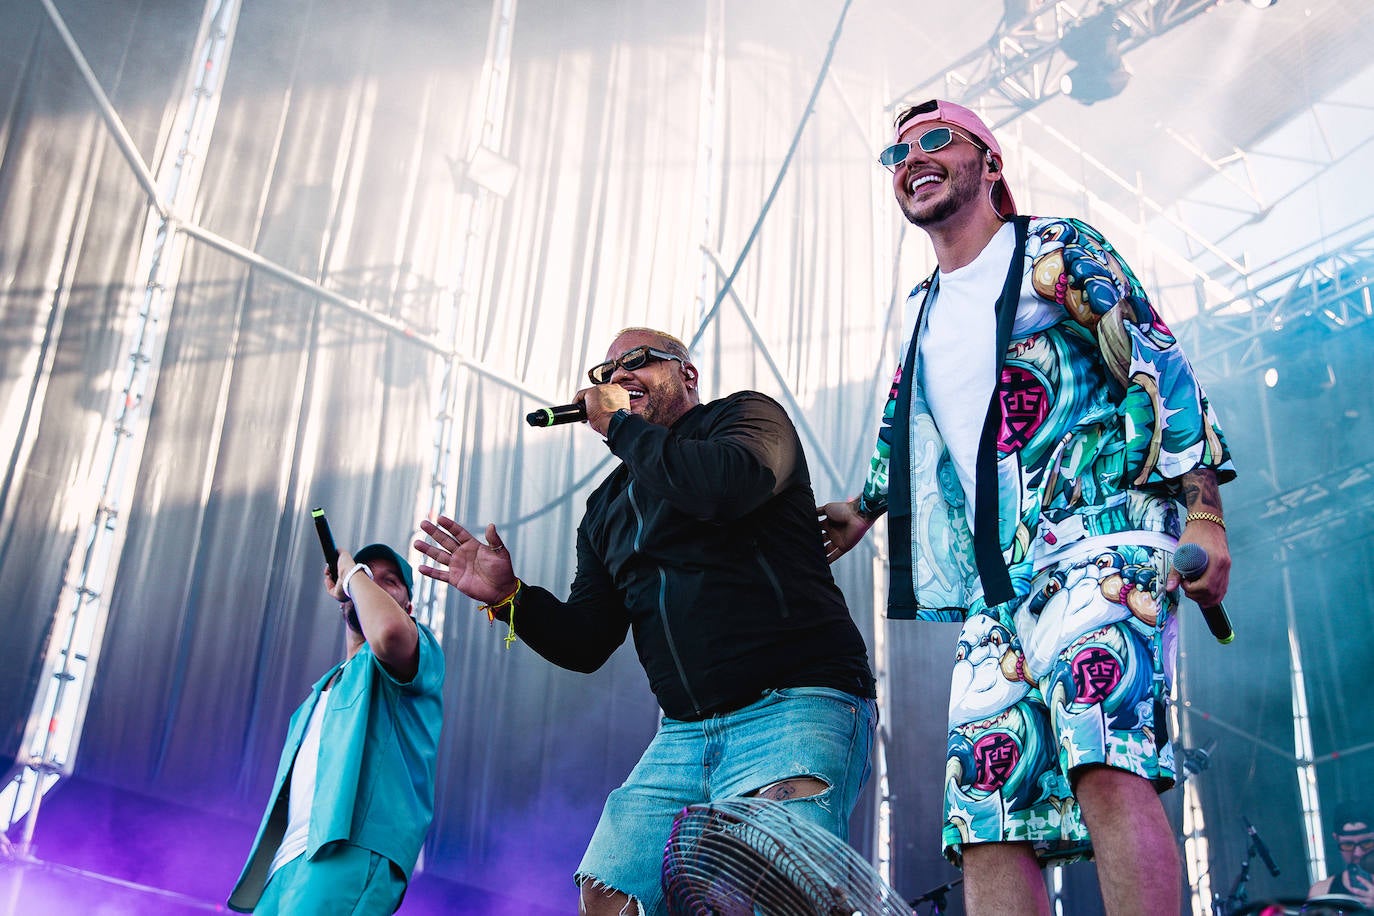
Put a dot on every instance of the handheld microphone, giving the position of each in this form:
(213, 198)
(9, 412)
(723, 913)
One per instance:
(331, 553)
(555, 416)
(1260, 847)
(1191, 562)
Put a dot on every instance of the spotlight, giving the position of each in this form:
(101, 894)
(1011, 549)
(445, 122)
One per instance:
(1301, 379)
(1262, 4)
(1094, 45)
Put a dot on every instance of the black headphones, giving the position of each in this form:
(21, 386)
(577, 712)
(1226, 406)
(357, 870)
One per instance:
(992, 163)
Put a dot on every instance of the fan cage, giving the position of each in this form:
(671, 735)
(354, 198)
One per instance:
(754, 857)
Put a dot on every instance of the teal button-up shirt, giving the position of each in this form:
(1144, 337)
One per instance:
(374, 783)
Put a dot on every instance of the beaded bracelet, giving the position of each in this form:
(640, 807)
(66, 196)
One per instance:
(508, 604)
(1205, 517)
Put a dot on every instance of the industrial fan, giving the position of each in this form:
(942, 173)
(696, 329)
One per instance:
(752, 857)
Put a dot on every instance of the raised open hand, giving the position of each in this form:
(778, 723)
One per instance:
(481, 570)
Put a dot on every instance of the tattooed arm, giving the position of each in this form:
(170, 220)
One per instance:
(1201, 498)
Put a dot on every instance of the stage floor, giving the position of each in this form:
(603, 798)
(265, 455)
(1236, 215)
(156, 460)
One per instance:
(100, 851)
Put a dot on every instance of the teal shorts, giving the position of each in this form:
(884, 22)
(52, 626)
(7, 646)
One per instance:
(1075, 675)
(340, 879)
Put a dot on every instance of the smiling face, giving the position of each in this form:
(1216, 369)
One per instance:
(661, 390)
(933, 187)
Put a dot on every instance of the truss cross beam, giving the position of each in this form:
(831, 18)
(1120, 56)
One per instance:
(1021, 66)
(1331, 293)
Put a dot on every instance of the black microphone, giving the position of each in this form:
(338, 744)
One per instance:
(1260, 847)
(554, 416)
(1191, 562)
(331, 553)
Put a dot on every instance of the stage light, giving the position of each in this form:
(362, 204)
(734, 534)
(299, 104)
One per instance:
(1262, 4)
(1089, 84)
(1300, 379)
(1094, 45)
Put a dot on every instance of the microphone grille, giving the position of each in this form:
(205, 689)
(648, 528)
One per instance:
(1190, 560)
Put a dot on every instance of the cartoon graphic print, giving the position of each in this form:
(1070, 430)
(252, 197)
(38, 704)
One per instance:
(1101, 416)
(1069, 601)
(1001, 785)
(1088, 644)
(984, 681)
(875, 486)
(1101, 695)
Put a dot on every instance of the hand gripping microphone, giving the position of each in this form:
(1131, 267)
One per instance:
(1191, 562)
(555, 416)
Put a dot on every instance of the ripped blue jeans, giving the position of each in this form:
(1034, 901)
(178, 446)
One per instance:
(790, 732)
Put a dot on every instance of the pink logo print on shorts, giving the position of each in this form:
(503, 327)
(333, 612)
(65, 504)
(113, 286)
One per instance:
(994, 758)
(1096, 672)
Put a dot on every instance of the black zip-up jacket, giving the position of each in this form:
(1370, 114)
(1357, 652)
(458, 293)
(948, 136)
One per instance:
(705, 542)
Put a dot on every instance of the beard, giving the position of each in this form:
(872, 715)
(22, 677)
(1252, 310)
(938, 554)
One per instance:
(964, 186)
(350, 616)
(664, 403)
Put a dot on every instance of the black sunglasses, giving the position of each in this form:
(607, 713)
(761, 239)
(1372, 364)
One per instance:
(630, 360)
(932, 141)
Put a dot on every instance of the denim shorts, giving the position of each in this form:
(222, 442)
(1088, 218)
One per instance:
(789, 732)
(1075, 675)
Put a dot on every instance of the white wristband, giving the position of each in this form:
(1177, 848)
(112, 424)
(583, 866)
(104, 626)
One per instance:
(349, 578)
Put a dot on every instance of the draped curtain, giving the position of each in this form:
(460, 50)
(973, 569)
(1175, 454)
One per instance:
(341, 152)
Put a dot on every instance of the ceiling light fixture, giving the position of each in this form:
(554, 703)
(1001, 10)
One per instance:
(1094, 46)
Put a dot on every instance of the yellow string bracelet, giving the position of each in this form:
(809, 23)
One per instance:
(507, 604)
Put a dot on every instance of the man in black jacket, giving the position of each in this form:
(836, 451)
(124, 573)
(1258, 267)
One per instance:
(704, 543)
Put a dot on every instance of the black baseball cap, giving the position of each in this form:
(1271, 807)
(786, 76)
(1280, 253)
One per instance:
(1351, 812)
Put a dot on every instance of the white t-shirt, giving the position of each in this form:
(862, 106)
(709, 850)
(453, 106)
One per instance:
(302, 794)
(958, 358)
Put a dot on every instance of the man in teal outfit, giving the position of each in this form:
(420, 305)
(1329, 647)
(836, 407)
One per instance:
(354, 791)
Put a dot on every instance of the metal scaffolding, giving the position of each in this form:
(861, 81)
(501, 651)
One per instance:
(1333, 291)
(489, 179)
(53, 731)
(1018, 70)
(1025, 61)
